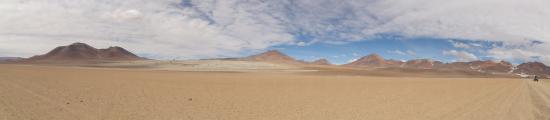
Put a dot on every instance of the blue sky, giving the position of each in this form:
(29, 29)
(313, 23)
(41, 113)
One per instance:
(391, 47)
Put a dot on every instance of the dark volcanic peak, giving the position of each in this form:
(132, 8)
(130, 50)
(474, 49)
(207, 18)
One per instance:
(82, 51)
(117, 53)
(75, 51)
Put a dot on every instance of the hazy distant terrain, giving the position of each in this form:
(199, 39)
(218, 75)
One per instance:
(198, 65)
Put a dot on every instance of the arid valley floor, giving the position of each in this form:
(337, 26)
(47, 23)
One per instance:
(49, 92)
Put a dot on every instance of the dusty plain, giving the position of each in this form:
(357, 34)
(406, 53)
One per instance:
(50, 92)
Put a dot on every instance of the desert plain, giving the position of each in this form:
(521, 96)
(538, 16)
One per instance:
(197, 91)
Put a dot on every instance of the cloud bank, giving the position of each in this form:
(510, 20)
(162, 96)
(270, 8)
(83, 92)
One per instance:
(399, 52)
(461, 56)
(218, 28)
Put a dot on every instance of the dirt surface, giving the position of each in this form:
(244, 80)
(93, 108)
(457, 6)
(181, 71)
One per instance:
(69, 93)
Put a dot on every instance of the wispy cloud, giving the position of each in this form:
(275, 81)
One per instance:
(461, 56)
(534, 51)
(352, 60)
(399, 52)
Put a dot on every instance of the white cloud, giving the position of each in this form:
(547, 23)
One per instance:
(301, 43)
(466, 45)
(352, 60)
(159, 28)
(399, 52)
(522, 52)
(461, 56)
(215, 28)
(461, 45)
(497, 20)
(410, 52)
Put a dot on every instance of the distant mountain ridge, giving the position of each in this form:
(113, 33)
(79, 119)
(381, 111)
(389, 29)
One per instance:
(272, 56)
(488, 66)
(10, 59)
(372, 60)
(83, 52)
(275, 56)
(533, 68)
(375, 61)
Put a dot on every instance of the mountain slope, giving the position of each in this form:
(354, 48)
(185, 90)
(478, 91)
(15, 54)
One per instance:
(372, 60)
(422, 64)
(272, 56)
(84, 52)
(533, 68)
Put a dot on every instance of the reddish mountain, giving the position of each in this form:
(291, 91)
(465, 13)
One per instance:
(394, 63)
(456, 66)
(82, 51)
(376, 61)
(321, 62)
(480, 66)
(372, 60)
(533, 68)
(422, 64)
(491, 66)
(272, 56)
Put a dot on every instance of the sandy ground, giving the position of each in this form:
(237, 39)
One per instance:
(68, 93)
(200, 65)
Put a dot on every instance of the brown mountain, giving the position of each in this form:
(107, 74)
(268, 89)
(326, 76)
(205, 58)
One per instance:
(533, 68)
(456, 66)
(422, 64)
(394, 63)
(117, 53)
(491, 66)
(321, 62)
(480, 66)
(376, 61)
(272, 56)
(84, 52)
(372, 60)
